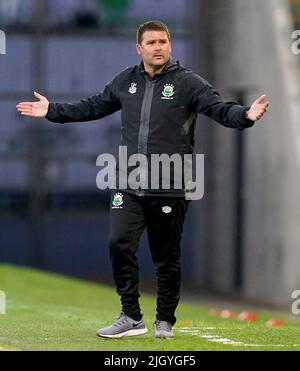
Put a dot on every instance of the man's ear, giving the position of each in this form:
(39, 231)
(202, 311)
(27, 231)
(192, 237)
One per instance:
(138, 49)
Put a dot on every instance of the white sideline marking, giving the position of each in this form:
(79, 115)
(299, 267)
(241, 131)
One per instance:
(226, 341)
(192, 330)
(218, 339)
(2, 349)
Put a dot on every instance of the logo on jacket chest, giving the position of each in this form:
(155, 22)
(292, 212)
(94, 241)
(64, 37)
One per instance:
(133, 88)
(168, 92)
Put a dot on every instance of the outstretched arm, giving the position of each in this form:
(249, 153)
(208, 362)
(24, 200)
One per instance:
(34, 109)
(231, 114)
(92, 108)
(206, 99)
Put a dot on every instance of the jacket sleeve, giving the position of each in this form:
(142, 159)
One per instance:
(206, 100)
(92, 108)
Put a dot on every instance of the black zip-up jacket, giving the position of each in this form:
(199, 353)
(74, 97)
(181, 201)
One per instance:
(158, 114)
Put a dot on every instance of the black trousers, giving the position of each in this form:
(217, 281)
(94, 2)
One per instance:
(163, 217)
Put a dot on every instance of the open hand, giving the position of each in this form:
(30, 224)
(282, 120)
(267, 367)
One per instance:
(34, 109)
(258, 109)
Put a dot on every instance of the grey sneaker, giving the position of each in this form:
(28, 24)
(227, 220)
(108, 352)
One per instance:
(123, 326)
(163, 330)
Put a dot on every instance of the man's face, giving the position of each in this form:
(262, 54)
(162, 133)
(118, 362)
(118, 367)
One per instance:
(155, 48)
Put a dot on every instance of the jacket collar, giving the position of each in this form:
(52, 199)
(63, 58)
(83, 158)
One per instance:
(171, 65)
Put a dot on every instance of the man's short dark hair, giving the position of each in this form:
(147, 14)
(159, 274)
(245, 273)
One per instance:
(151, 26)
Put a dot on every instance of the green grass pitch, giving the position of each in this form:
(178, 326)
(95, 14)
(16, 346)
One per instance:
(50, 312)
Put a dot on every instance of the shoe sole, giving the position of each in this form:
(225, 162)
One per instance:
(161, 336)
(164, 337)
(124, 334)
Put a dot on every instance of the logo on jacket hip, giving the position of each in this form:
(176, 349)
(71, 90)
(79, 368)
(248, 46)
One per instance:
(167, 209)
(118, 201)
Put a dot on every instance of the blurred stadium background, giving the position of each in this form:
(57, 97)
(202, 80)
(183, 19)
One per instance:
(243, 238)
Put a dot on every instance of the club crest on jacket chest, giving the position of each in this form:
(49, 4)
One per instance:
(168, 91)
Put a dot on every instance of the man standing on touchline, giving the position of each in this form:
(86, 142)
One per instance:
(160, 100)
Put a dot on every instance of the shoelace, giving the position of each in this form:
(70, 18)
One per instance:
(118, 317)
(120, 320)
